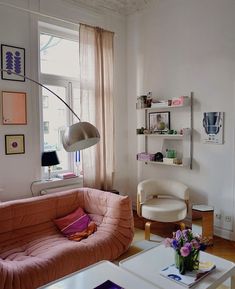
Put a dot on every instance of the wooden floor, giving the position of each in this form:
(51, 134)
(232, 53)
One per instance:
(221, 248)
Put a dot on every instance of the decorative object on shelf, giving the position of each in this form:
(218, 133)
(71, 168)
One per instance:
(159, 121)
(187, 246)
(140, 130)
(12, 59)
(159, 157)
(14, 108)
(49, 159)
(177, 161)
(171, 154)
(149, 99)
(14, 144)
(141, 101)
(213, 124)
(179, 101)
(76, 137)
(145, 157)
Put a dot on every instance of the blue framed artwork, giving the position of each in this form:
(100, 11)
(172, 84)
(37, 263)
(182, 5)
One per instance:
(12, 59)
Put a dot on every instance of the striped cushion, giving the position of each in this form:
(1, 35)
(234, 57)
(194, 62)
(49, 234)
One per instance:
(76, 221)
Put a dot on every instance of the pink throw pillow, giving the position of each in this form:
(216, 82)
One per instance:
(74, 222)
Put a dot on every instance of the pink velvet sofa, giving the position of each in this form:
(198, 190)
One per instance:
(33, 251)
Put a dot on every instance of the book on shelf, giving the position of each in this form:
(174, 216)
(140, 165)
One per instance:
(65, 176)
(108, 285)
(190, 278)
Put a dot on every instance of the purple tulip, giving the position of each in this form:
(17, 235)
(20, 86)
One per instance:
(178, 235)
(175, 244)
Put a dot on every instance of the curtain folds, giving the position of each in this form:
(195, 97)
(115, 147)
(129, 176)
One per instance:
(96, 64)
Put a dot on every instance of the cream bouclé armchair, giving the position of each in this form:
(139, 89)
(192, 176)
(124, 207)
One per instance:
(162, 201)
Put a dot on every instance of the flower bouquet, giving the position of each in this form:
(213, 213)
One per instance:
(187, 246)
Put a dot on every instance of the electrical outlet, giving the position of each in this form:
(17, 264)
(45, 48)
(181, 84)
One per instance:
(228, 219)
(218, 216)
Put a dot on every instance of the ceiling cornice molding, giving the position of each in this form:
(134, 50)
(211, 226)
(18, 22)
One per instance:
(121, 7)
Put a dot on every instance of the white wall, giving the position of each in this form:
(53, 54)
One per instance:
(19, 28)
(175, 47)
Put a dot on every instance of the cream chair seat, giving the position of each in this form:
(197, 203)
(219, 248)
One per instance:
(162, 201)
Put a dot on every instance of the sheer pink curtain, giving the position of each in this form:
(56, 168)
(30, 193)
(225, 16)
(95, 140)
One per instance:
(96, 64)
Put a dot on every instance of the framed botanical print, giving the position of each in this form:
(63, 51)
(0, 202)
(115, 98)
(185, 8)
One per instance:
(12, 59)
(14, 144)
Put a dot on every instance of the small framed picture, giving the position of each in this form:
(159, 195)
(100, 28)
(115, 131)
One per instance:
(14, 144)
(159, 122)
(14, 107)
(213, 127)
(12, 59)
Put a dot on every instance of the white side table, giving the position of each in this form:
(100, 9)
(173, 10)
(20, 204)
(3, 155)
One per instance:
(98, 273)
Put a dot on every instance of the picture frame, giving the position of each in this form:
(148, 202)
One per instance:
(14, 144)
(13, 59)
(14, 108)
(213, 127)
(159, 122)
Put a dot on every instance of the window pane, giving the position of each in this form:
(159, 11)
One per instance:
(55, 119)
(59, 56)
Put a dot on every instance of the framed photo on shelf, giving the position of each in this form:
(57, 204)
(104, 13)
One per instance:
(14, 144)
(13, 59)
(159, 122)
(14, 108)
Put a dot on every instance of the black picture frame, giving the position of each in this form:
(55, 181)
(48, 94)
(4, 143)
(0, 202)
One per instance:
(159, 122)
(12, 59)
(14, 144)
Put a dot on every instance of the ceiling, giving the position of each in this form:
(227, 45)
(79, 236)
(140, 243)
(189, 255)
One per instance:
(124, 7)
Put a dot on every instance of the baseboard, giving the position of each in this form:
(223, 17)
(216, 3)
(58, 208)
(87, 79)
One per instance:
(225, 234)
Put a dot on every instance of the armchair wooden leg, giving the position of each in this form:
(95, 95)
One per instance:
(147, 230)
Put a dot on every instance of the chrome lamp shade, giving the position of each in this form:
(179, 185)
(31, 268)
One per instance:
(79, 136)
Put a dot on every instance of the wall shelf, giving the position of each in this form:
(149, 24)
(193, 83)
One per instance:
(166, 141)
(165, 136)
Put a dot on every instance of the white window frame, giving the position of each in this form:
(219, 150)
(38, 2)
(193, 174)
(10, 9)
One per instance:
(56, 80)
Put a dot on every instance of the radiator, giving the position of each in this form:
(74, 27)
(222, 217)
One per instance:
(59, 189)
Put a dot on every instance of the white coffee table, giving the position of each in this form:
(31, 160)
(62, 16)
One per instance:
(98, 273)
(149, 263)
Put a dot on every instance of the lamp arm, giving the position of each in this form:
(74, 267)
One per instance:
(40, 84)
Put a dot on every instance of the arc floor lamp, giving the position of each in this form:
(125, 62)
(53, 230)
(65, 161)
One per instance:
(76, 137)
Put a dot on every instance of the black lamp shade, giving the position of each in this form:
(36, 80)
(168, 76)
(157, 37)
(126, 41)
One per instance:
(49, 159)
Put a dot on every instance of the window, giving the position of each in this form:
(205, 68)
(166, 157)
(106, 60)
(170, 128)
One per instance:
(59, 67)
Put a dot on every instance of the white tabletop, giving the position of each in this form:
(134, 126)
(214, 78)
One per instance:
(98, 273)
(149, 263)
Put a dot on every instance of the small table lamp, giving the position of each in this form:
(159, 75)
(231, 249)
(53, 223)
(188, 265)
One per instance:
(49, 159)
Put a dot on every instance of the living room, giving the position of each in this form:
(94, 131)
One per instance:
(169, 48)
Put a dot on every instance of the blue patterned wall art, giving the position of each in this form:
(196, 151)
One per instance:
(12, 58)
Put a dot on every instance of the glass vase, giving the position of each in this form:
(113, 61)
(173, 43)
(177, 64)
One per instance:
(189, 263)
